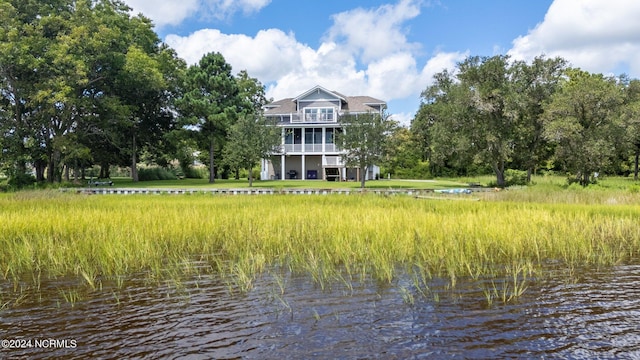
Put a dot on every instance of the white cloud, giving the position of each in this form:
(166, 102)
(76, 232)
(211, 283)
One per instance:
(222, 9)
(597, 36)
(403, 119)
(374, 33)
(171, 12)
(441, 61)
(386, 68)
(395, 74)
(164, 12)
(268, 56)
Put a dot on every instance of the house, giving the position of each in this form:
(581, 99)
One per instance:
(309, 124)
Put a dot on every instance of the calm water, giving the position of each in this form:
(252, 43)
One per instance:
(597, 315)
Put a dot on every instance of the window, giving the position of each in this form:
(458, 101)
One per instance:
(329, 136)
(311, 114)
(313, 136)
(326, 114)
(293, 136)
(318, 114)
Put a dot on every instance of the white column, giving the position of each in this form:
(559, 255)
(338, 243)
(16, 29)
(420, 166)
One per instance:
(324, 150)
(303, 176)
(282, 157)
(282, 167)
(304, 150)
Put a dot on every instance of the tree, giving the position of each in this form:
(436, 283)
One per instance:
(250, 140)
(252, 137)
(442, 125)
(532, 85)
(403, 156)
(420, 131)
(77, 74)
(491, 129)
(583, 121)
(210, 102)
(136, 78)
(24, 39)
(142, 91)
(631, 118)
(470, 116)
(251, 93)
(363, 140)
(488, 114)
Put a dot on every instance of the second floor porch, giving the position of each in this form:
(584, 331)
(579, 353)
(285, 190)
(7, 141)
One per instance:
(308, 117)
(309, 140)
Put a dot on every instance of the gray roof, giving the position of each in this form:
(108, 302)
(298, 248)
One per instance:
(284, 106)
(353, 104)
(362, 104)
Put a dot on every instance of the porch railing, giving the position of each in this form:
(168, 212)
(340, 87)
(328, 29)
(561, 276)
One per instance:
(314, 118)
(310, 148)
(333, 161)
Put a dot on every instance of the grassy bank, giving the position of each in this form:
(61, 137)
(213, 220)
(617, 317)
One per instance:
(50, 235)
(289, 184)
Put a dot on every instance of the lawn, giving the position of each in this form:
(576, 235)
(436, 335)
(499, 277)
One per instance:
(290, 184)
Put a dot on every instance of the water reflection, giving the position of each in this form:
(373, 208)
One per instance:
(596, 315)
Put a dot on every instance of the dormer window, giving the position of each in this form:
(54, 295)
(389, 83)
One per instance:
(318, 114)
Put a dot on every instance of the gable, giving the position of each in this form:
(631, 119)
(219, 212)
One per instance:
(319, 97)
(319, 93)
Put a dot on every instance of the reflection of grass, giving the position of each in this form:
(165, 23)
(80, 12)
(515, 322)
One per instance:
(332, 238)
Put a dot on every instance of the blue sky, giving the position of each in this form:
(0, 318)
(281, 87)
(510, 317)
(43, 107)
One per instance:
(392, 49)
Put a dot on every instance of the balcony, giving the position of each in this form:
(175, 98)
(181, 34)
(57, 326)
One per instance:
(315, 149)
(314, 118)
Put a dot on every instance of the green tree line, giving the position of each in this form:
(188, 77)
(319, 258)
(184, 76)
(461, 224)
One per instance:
(492, 114)
(83, 83)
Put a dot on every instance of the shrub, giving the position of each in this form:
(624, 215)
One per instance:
(515, 177)
(512, 178)
(19, 181)
(420, 171)
(244, 174)
(575, 186)
(155, 173)
(577, 178)
(196, 172)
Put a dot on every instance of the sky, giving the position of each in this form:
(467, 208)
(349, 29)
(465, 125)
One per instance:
(388, 49)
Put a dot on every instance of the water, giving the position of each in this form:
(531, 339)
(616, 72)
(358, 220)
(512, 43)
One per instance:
(595, 314)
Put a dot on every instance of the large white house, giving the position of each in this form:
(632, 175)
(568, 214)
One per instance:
(309, 124)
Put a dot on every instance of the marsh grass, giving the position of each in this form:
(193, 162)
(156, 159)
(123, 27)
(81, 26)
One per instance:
(508, 237)
(71, 296)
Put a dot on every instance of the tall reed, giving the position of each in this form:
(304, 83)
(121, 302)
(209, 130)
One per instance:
(325, 236)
